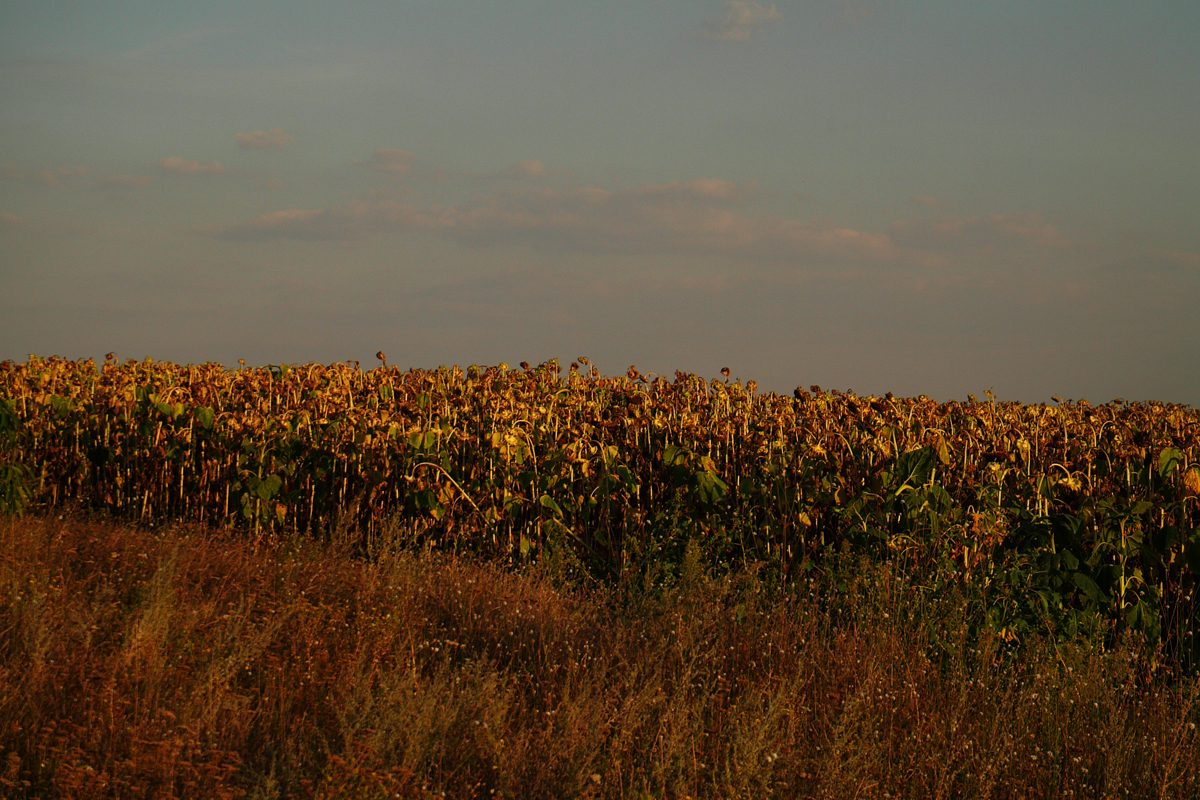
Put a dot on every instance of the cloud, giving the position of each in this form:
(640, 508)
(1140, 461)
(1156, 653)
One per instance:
(996, 233)
(56, 176)
(343, 223)
(274, 139)
(707, 216)
(529, 168)
(44, 177)
(289, 224)
(698, 216)
(690, 216)
(125, 181)
(1161, 262)
(743, 19)
(182, 166)
(172, 44)
(392, 162)
(700, 190)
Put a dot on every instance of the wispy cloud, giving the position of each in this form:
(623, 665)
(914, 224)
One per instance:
(704, 189)
(1010, 235)
(182, 166)
(45, 177)
(686, 216)
(125, 181)
(529, 168)
(391, 161)
(1160, 262)
(292, 223)
(703, 216)
(172, 44)
(743, 18)
(340, 224)
(274, 139)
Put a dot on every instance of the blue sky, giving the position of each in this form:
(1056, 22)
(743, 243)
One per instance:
(923, 198)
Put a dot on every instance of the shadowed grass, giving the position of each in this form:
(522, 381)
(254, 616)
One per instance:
(183, 663)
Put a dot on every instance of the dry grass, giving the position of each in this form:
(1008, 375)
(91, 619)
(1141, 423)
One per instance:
(183, 663)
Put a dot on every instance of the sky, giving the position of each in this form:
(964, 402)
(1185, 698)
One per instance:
(927, 198)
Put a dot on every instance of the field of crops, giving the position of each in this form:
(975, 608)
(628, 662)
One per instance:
(1064, 514)
(328, 582)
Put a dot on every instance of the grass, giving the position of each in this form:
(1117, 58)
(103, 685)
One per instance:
(181, 662)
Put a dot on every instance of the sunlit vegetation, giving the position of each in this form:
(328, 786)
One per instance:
(324, 581)
(180, 663)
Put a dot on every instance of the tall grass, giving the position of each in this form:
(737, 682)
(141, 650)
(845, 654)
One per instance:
(189, 663)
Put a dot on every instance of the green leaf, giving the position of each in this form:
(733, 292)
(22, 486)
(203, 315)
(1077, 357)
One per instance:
(1089, 588)
(671, 455)
(1168, 461)
(424, 440)
(62, 406)
(1192, 552)
(914, 468)
(626, 477)
(710, 489)
(265, 488)
(13, 493)
(1069, 560)
(548, 502)
(10, 423)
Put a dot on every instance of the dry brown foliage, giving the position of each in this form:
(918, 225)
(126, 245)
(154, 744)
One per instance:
(185, 663)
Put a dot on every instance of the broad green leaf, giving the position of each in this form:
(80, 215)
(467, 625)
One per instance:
(265, 488)
(1168, 461)
(671, 455)
(548, 502)
(1089, 588)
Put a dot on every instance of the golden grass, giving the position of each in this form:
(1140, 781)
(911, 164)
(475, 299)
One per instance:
(187, 663)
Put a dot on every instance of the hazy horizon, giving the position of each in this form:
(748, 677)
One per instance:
(936, 199)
